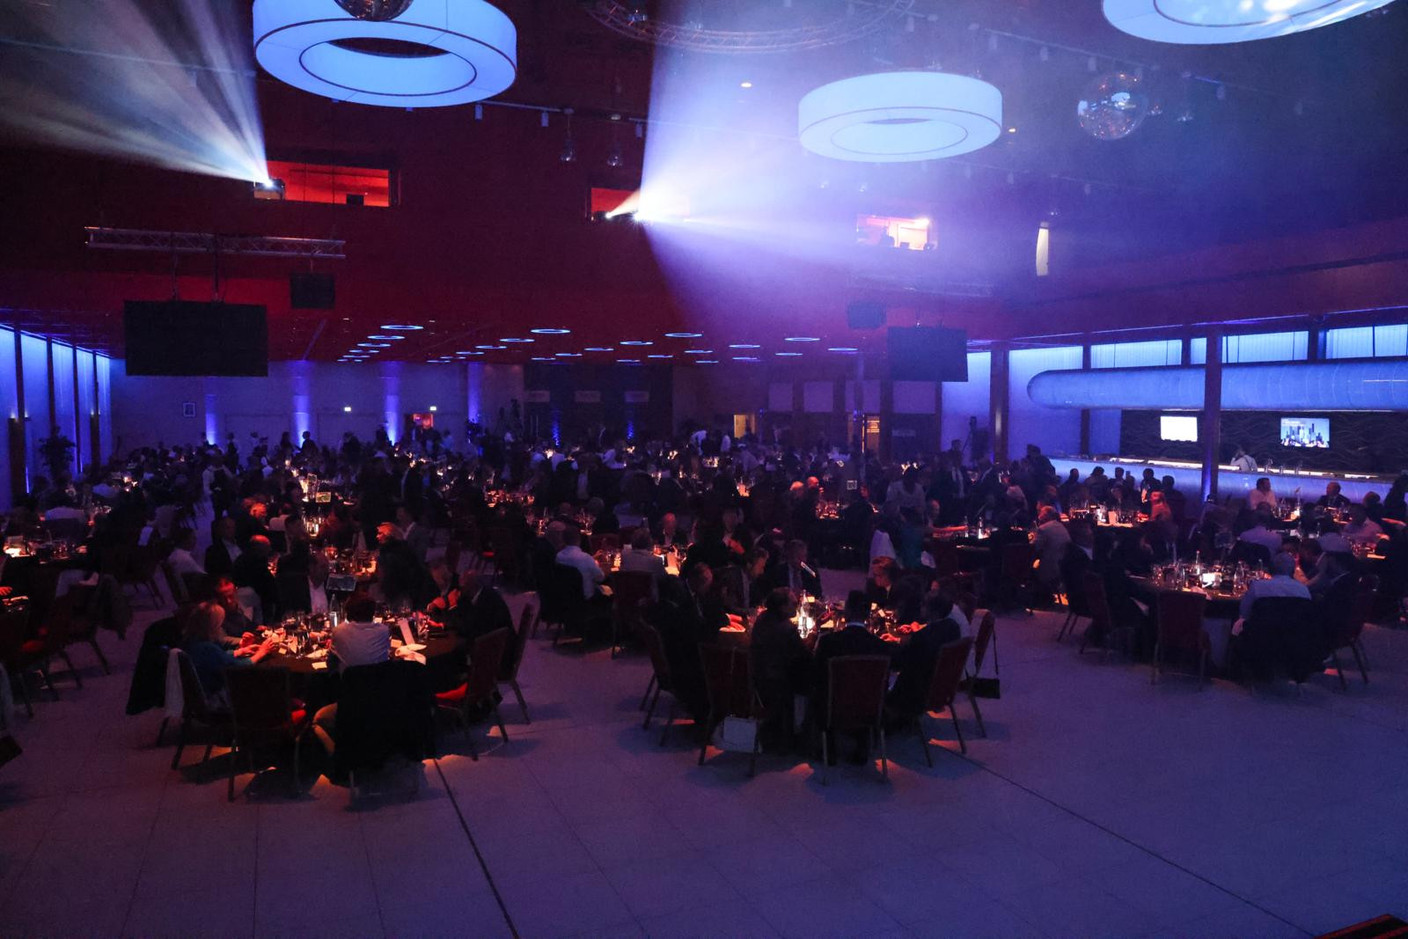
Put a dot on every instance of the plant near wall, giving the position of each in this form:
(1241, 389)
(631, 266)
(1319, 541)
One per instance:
(56, 452)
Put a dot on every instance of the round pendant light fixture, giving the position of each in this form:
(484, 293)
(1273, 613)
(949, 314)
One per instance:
(434, 54)
(1211, 22)
(900, 117)
(378, 10)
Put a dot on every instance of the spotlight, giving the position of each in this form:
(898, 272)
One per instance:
(569, 150)
(614, 160)
(270, 189)
(636, 12)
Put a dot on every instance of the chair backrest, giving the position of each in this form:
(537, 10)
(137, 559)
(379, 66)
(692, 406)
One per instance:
(384, 709)
(453, 550)
(564, 586)
(193, 701)
(259, 698)
(856, 690)
(295, 596)
(175, 584)
(727, 680)
(1346, 625)
(486, 657)
(1097, 601)
(945, 554)
(14, 625)
(948, 673)
(987, 624)
(628, 589)
(508, 671)
(59, 623)
(1017, 560)
(1180, 616)
(655, 648)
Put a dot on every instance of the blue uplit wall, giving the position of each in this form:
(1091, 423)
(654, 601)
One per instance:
(1256, 347)
(1364, 342)
(962, 400)
(1055, 430)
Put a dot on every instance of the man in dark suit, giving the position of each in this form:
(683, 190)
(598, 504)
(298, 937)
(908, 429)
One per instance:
(221, 555)
(251, 569)
(689, 613)
(794, 574)
(481, 609)
(915, 658)
(855, 638)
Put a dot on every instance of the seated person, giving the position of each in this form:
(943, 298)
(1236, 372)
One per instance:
(356, 641)
(855, 638)
(182, 558)
(447, 593)
(573, 556)
(881, 584)
(1282, 583)
(917, 654)
(1336, 564)
(781, 665)
(481, 609)
(402, 577)
(1052, 537)
(1262, 495)
(755, 564)
(794, 574)
(1261, 534)
(1362, 531)
(205, 642)
(689, 613)
(1333, 498)
(640, 555)
(251, 570)
(236, 624)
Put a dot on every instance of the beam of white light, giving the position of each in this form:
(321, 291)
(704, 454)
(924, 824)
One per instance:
(167, 83)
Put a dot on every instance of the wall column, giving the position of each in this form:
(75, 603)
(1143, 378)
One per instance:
(1085, 412)
(998, 403)
(1210, 431)
(19, 449)
(77, 418)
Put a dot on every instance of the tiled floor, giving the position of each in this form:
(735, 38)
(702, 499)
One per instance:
(1098, 805)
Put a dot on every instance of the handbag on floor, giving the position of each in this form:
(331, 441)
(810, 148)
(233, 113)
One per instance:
(738, 734)
(985, 687)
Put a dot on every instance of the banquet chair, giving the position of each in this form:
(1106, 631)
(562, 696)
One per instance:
(195, 708)
(481, 684)
(1102, 622)
(855, 701)
(1077, 604)
(295, 595)
(944, 686)
(453, 550)
(987, 635)
(513, 656)
(1017, 579)
(175, 584)
(629, 590)
(503, 555)
(264, 715)
(660, 680)
(1345, 626)
(383, 710)
(729, 686)
(52, 639)
(1180, 626)
(83, 627)
(14, 659)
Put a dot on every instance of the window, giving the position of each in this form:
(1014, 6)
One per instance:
(890, 231)
(1256, 347)
(329, 184)
(1363, 342)
(1136, 354)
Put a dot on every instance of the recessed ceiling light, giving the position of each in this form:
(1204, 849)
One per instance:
(846, 349)
(515, 340)
(491, 347)
(746, 358)
(684, 335)
(629, 361)
(542, 358)
(374, 345)
(600, 349)
(401, 328)
(657, 356)
(803, 339)
(745, 84)
(636, 342)
(347, 408)
(744, 345)
(397, 338)
(706, 361)
(698, 351)
(569, 355)
(791, 355)
(551, 332)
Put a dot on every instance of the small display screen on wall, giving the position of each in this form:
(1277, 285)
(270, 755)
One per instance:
(1305, 432)
(1178, 427)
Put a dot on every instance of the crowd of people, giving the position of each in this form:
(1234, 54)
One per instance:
(747, 520)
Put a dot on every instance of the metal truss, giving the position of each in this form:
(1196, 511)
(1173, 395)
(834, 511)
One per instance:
(267, 246)
(865, 17)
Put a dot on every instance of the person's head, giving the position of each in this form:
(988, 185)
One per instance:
(779, 602)
(882, 572)
(223, 528)
(1074, 475)
(668, 522)
(1263, 484)
(571, 536)
(258, 511)
(386, 533)
(796, 551)
(641, 540)
(1372, 500)
(1048, 514)
(1149, 475)
(259, 546)
(223, 590)
(1332, 488)
(754, 561)
(440, 573)
(205, 623)
(404, 518)
(857, 607)
(360, 608)
(937, 606)
(1262, 517)
(1283, 564)
(700, 578)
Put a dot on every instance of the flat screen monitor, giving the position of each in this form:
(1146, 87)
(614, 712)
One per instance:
(182, 337)
(1305, 432)
(928, 353)
(1178, 427)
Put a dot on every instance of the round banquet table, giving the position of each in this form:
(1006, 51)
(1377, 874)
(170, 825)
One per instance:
(444, 657)
(1224, 606)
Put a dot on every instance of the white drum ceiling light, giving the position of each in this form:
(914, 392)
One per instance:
(900, 117)
(436, 53)
(1193, 22)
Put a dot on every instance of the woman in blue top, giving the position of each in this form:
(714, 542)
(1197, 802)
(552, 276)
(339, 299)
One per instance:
(204, 643)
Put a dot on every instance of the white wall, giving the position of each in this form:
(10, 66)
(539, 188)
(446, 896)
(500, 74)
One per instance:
(295, 396)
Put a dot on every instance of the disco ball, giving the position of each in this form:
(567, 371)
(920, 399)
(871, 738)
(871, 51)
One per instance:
(375, 10)
(1113, 106)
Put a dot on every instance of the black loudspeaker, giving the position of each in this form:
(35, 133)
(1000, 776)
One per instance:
(311, 291)
(928, 353)
(865, 314)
